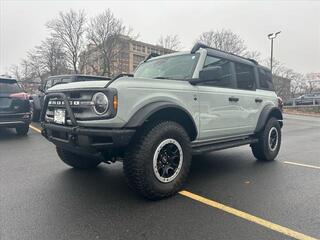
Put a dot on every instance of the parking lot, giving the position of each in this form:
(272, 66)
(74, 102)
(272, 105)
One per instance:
(229, 195)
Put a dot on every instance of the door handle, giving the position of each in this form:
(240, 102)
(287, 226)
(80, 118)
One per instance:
(258, 100)
(233, 99)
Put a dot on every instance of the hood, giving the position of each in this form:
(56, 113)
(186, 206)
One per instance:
(78, 85)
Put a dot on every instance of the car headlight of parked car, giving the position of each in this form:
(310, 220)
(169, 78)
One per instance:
(101, 103)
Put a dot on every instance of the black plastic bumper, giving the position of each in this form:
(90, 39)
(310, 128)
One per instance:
(78, 139)
(14, 120)
(86, 140)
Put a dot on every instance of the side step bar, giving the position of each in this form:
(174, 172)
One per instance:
(196, 149)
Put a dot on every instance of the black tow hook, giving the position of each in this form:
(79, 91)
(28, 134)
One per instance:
(73, 135)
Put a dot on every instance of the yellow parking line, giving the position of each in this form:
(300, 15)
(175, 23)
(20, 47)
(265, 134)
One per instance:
(248, 217)
(35, 129)
(302, 165)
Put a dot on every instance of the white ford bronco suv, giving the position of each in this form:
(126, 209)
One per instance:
(173, 106)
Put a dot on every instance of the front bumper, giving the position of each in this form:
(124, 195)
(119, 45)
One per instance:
(81, 139)
(86, 140)
(14, 120)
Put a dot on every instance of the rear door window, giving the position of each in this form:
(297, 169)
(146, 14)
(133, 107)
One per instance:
(245, 76)
(9, 86)
(265, 79)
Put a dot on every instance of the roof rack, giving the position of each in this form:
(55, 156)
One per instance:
(252, 60)
(199, 45)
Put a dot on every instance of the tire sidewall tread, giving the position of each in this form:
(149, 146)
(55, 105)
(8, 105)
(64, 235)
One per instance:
(261, 149)
(138, 162)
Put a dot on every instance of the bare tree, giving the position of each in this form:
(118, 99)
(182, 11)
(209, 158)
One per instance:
(104, 32)
(15, 71)
(298, 84)
(313, 84)
(253, 55)
(45, 59)
(281, 75)
(69, 29)
(52, 57)
(33, 67)
(171, 42)
(224, 40)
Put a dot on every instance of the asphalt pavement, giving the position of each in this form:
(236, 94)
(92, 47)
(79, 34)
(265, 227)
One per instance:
(236, 196)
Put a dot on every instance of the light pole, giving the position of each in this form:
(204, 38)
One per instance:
(271, 36)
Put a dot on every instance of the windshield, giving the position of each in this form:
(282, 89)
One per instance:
(175, 67)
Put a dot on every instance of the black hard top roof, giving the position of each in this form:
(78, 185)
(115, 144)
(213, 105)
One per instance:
(229, 56)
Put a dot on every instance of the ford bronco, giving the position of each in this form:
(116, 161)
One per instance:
(172, 107)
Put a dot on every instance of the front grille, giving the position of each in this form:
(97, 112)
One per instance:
(80, 103)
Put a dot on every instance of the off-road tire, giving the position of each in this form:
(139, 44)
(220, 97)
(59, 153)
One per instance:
(261, 150)
(77, 161)
(138, 161)
(22, 130)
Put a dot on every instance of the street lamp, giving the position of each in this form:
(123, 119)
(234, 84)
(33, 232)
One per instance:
(271, 36)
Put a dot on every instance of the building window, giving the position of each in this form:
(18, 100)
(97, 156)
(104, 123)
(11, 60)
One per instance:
(137, 59)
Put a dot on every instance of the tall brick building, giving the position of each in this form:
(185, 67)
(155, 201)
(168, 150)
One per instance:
(129, 54)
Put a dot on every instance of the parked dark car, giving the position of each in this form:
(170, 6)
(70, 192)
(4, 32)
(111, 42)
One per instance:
(15, 111)
(37, 99)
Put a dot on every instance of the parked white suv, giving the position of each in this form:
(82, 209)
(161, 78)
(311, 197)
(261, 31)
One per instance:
(172, 107)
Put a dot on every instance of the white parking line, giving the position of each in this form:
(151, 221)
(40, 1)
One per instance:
(302, 165)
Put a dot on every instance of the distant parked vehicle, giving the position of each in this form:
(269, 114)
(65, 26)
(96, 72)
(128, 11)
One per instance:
(37, 99)
(306, 99)
(15, 111)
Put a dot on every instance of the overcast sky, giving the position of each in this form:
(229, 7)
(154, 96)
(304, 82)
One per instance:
(22, 25)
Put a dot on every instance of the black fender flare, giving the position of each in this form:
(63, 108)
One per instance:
(146, 111)
(266, 112)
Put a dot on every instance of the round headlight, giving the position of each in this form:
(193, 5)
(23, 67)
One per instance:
(101, 103)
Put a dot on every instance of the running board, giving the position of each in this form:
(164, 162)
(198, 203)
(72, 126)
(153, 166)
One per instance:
(196, 149)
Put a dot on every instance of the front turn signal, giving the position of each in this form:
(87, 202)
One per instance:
(115, 103)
